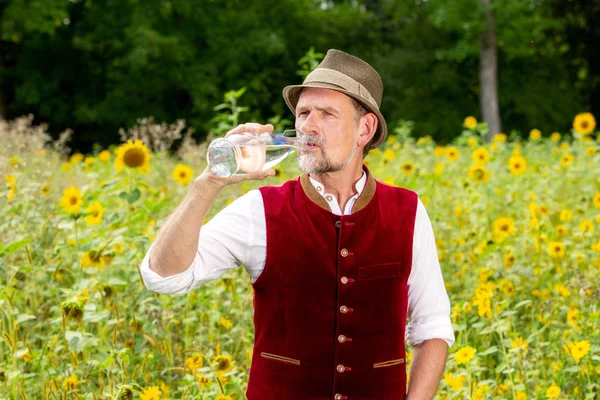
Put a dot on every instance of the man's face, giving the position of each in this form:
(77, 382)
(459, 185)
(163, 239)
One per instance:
(330, 118)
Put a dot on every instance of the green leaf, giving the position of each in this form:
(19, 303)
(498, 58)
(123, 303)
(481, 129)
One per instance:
(133, 196)
(11, 248)
(25, 317)
(491, 350)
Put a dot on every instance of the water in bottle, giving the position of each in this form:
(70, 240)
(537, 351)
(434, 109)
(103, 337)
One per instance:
(247, 152)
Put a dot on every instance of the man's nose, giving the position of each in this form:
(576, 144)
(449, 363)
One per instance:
(309, 125)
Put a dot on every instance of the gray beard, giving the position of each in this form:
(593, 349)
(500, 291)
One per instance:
(315, 164)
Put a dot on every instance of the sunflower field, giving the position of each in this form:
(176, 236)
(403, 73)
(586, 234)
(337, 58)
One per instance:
(517, 225)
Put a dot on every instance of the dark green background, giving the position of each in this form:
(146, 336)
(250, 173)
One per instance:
(96, 66)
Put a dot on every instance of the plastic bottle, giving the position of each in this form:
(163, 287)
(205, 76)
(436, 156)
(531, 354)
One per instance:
(244, 153)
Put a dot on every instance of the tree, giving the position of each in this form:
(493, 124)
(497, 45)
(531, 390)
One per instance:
(488, 73)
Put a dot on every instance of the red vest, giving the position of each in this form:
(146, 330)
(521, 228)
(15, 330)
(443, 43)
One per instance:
(331, 303)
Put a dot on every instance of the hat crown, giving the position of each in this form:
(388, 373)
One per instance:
(357, 69)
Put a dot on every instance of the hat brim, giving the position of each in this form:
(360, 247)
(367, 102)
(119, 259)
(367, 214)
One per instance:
(291, 95)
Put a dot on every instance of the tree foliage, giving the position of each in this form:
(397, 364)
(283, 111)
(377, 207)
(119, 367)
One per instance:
(99, 66)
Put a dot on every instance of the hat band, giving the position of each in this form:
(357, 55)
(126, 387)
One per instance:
(334, 77)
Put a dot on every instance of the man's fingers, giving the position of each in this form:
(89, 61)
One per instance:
(251, 127)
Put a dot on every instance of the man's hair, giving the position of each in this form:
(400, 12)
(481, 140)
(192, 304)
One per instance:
(360, 112)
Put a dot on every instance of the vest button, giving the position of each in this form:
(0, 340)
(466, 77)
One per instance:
(341, 338)
(329, 197)
(340, 368)
(338, 397)
(343, 309)
(344, 280)
(344, 252)
(338, 224)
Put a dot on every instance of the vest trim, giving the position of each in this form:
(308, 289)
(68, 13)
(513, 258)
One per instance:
(365, 197)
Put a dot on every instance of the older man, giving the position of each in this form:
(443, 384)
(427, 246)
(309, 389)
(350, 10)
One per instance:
(338, 260)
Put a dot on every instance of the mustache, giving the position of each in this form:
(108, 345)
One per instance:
(311, 140)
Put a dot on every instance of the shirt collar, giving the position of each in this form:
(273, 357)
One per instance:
(359, 185)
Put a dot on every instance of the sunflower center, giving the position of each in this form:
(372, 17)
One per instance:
(73, 200)
(504, 228)
(182, 174)
(95, 256)
(584, 124)
(134, 158)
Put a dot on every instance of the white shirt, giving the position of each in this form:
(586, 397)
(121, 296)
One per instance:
(237, 235)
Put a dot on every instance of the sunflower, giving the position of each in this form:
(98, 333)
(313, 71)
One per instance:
(194, 362)
(71, 200)
(470, 122)
(408, 167)
(439, 151)
(503, 227)
(452, 153)
(66, 167)
(517, 165)
(586, 226)
(535, 134)
(45, 190)
(500, 137)
(566, 215)
(481, 156)
(223, 364)
(566, 160)
(76, 158)
(478, 173)
(597, 200)
(71, 382)
(584, 123)
(472, 142)
(93, 259)
(555, 137)
(464, 355)
(89, 161)
(556, 249)
(133, 155)
(182, 174)
(590, 151)
(151, 393)
(562, 230)
(11, 194)
(104, 156)
(97, 211)
(389, 155)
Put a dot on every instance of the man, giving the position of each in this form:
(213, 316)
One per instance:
(338, 260)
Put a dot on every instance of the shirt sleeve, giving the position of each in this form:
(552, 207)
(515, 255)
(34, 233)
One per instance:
(234, 236)
(428, 302)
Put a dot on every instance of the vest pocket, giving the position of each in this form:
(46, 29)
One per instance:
(380, 271)
(388, 363)
(280, 358)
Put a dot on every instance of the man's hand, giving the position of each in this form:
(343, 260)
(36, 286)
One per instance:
(208, 177)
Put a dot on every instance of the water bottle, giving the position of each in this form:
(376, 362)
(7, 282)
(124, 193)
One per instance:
(244, 153)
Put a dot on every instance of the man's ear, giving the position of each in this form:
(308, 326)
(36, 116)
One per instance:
(367, 128)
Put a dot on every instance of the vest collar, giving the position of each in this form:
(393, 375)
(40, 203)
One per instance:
(363, 199)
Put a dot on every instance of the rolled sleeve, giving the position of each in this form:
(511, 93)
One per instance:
(428, 302)
(234, 236)
(180, 283)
